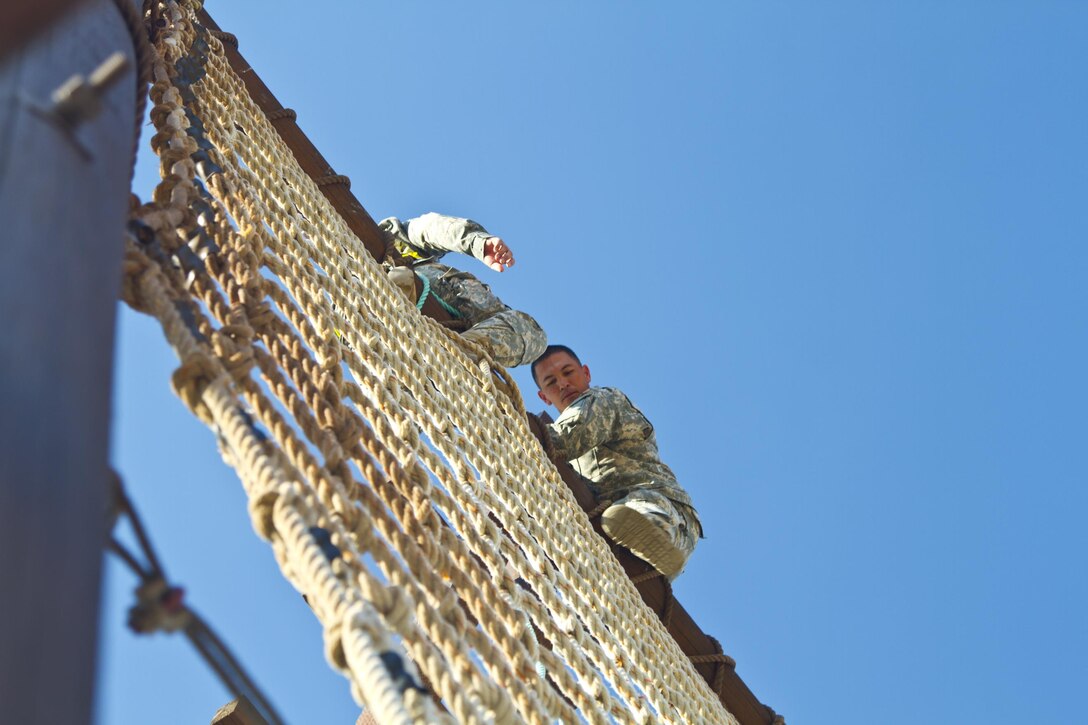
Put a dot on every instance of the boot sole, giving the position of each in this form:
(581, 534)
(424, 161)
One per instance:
(647, 541)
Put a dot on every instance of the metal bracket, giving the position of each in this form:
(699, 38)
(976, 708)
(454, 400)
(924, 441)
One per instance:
(79, 99)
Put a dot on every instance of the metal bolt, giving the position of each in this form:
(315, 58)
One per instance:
(79, 99)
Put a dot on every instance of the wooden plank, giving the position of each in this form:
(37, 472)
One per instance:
(64, 214)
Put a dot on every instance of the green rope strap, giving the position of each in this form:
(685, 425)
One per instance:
(427, 291)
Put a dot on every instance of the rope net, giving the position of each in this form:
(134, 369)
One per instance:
(386, 461)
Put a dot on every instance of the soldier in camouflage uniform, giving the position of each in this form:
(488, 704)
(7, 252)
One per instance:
(610, 442)
(510, 336)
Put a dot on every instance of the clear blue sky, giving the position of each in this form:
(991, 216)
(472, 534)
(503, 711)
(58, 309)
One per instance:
(834, 250)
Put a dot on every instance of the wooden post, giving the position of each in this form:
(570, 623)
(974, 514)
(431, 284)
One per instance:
(238, 712)
(63, 199)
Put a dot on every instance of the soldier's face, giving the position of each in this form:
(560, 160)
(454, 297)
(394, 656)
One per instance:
(561, 379)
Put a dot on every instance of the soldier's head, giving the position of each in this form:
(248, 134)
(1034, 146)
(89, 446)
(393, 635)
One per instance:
(560, 375)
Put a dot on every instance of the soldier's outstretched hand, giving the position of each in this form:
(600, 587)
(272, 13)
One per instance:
(497, 255)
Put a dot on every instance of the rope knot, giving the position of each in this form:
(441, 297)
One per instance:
(347, 430)
(330, 388)
(395, 606)
(258, 311)
(191, 380)
(135, 269)
(159, 607)
(331, 379)
(232, 343)
(424, 513)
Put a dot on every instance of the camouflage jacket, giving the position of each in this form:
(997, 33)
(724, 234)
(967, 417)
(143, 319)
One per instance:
(511, 336)
(609, 441)
(427, 238)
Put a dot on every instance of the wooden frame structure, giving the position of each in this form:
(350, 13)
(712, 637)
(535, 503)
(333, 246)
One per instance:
(56, 363)
(734, 694)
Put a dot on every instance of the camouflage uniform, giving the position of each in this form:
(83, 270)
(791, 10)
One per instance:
(510, 336)
(610, 442)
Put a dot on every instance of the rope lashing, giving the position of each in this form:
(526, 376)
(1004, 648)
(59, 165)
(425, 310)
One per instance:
(226, 38)
(665, 615)
(333, 180)
(191, 380)
(596, 513)
(160, 607)
(281, 114)
(233, 345)
(776, 719)
(720, 659)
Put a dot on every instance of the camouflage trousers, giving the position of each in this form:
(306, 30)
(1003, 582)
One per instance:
(655, 528)
(511, 337)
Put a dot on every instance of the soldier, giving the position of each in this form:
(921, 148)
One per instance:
(609, 441)
(510, 336)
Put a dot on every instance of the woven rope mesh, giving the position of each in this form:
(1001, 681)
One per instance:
(393, 475)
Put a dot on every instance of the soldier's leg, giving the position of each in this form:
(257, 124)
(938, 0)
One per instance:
(511, 338)
(654, 528)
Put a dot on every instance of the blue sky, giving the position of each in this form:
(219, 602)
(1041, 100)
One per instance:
(834, 250)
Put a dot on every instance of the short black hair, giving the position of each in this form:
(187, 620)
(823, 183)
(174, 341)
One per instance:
(548, 352)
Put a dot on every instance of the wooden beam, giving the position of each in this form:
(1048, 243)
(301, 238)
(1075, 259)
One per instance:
(63, 200)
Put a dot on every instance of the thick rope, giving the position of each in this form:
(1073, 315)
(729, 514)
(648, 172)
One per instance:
(161, 607)
(333, 180)
(225, 38)
(720, 659)
(142, 51)
(282, 114)
(386, 460)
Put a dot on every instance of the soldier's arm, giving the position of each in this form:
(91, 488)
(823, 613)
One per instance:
(436, 234)
(585, 424)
